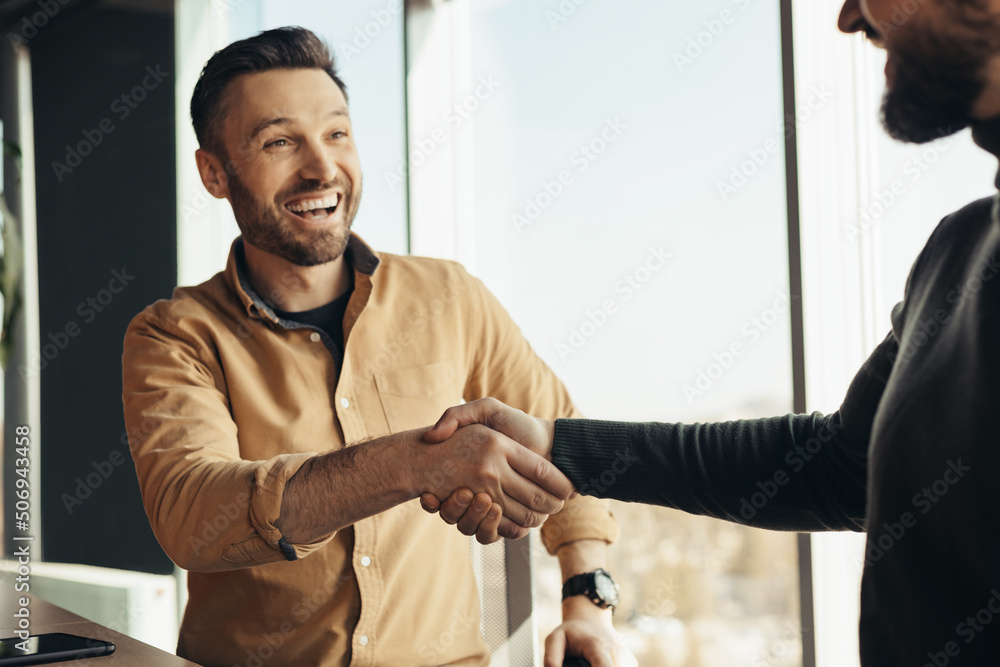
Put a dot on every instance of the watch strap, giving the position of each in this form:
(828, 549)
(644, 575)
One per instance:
(579, 584)
(586, 584)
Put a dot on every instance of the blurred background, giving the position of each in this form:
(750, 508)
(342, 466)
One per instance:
(689, 208)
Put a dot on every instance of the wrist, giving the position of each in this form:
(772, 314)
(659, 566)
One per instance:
(410, 456)
(579, 607)
(550, 436)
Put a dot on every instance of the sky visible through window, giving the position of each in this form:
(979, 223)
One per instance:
(599, 161)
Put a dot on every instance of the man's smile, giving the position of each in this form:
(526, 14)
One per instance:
(314, 209)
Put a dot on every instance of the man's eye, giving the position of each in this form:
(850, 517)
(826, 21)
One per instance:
(276, 142)
(338, 134)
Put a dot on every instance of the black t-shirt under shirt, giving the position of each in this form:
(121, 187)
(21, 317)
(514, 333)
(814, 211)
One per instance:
(328, 317)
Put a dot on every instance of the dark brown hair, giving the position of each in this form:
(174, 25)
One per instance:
(281, 48)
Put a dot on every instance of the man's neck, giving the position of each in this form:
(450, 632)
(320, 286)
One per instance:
(295, 288)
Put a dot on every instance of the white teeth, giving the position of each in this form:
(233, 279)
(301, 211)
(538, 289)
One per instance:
(311, 204)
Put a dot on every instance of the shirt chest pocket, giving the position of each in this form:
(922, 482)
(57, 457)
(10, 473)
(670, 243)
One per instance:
(415, 397)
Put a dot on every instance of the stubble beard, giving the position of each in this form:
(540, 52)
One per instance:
(263, 226)
(938, 76)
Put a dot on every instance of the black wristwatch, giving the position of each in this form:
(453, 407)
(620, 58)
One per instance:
(599, 587)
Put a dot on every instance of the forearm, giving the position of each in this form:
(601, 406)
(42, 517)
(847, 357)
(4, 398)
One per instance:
(798, 472)
(784, 473)
(581, 557)
(337, 489)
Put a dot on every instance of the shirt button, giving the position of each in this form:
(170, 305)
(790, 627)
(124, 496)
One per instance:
(345, 403)
(366, 561)
(314, 337)
(364, 640)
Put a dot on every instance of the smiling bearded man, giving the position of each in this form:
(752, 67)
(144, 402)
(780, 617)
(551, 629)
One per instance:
(275, 412)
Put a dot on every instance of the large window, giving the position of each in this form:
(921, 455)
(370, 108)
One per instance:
(618, 175)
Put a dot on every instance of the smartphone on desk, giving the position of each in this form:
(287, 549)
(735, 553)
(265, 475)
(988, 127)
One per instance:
(52, 647)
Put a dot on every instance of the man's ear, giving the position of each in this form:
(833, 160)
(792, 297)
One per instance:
(213, 173)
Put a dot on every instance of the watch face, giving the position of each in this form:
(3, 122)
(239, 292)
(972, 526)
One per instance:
(606, 587)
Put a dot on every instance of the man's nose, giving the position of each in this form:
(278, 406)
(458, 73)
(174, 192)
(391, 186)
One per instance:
(851, 18)
(318, 163)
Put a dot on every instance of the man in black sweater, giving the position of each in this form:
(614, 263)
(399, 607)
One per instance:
(913, 455)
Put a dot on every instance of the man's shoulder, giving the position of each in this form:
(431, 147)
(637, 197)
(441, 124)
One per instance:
(413, 270)
(956, 273)
(958, 238)
(965, 226)
(418, 263)
(189, 308)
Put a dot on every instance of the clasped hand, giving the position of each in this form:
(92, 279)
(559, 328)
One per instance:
(510, 504)
(587, 630)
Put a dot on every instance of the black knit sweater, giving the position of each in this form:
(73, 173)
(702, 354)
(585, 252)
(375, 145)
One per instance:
(912, 456)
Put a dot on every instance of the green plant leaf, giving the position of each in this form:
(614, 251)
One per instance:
(12, 151)
(11, 268)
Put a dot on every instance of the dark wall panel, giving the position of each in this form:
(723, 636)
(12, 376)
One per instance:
(103, 86)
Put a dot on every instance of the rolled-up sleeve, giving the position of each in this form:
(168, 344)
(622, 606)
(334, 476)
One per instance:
(583, 518)
(209, 509)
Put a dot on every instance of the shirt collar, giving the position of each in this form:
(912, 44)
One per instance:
(362, 258)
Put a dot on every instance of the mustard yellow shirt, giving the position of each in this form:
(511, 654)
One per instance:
(224, 401)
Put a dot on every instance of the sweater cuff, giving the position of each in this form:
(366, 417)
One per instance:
(595, 455)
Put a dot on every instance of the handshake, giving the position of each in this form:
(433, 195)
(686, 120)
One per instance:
(486, 467)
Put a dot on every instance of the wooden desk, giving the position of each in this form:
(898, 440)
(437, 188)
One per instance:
(47, 617)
